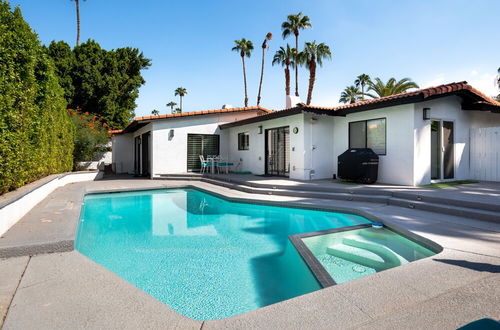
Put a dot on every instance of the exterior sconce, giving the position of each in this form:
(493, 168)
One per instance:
(427, 113)
(260, 129)
(170, 134)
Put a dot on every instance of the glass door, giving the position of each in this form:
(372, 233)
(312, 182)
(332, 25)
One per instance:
(442, 150)
(278, 151)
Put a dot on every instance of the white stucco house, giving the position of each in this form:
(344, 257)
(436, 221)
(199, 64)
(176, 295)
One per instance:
(420, 136)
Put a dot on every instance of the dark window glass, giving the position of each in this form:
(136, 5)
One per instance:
(368, 134)
(243, 141)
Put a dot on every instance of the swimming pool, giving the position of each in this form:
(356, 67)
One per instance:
(205, 257)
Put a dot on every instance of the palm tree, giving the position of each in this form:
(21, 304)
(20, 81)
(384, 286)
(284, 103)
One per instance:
(269, 36)
(293, 25)
(285, 57)
(171, 104)
(181, 91)
(77, 3)
(244, 47)
(351, 94)
(362, 80)
(155, 112)
(391, 87)
(313, 53)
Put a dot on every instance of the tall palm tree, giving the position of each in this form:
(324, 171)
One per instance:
(311, 55)
(391, 87)
(171, 104)
(77, 3)
(244, 47)
(181, 91)
(269, 36)
(362, 80)
(293, 25)
(351, 94)
(285, 57)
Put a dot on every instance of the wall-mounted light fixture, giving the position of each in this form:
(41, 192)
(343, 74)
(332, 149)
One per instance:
(260, 129)
(170, 134)
(427, 113)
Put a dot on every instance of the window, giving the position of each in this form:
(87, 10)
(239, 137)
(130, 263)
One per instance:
(368, 134)
(243, 141)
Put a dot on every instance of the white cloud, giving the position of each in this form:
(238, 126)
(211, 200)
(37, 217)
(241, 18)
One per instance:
(439, 79)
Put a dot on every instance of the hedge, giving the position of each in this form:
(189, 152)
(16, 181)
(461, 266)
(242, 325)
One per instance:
(36, 133)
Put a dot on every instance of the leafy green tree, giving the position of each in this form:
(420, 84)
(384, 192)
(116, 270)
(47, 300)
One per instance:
(36, 134)
(351, 94)
(391, 87)
(293, 25)
(269, 36)
(65, 61)
(181, 92)
(171, 104)
(244, 47)
(361, 81)
(285, 57)
(312, 55)
(155, 112)
(105, 83)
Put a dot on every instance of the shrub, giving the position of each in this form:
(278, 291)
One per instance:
(36, 134)
(90, 138)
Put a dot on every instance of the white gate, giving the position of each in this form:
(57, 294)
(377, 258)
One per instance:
(485, 154)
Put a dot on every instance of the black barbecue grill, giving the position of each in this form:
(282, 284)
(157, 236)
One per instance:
(358, 164)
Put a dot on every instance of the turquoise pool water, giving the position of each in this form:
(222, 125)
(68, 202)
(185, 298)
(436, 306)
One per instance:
(352, 254)
(205, 257)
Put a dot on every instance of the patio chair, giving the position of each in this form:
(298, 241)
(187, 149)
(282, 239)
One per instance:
(204, 164)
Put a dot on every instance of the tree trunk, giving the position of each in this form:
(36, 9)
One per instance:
(77, 22)
(296, 65)
(261, 73)
(287, 80)
(362, 92)
(312, 77)
(180, 96)
(245, 80)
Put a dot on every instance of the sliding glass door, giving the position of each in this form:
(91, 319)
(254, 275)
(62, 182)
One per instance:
(442, 150)
(278, 151)
(200, 144)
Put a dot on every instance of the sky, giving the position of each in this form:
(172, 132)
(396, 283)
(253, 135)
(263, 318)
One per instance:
(189, 43)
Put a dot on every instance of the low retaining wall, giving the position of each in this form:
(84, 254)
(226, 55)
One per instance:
(12, 210)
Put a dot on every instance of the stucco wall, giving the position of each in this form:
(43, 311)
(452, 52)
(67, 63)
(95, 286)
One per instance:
(396, 167)
(448, 109)
(318, 147)
(253, 159)
(123, 153)
(170, 155)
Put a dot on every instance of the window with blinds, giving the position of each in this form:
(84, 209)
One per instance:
(200, 144)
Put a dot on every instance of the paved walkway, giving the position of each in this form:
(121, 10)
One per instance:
(68, 290)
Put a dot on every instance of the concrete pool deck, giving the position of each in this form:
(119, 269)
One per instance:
(67, 290)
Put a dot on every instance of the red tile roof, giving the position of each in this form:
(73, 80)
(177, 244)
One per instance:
(203, 112)
(475, 97)
(186, 114)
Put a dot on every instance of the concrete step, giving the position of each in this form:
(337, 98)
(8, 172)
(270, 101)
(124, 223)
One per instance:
(448, 201)
(465, 212)
(300, 193)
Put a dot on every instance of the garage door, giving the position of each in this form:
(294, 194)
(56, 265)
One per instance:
(485, 154)
(200, 144)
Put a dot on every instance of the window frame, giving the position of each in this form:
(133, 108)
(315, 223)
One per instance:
(247, 146)
(366, 133)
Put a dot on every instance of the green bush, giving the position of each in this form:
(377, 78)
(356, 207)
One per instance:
(36, 133)
(90, 138)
